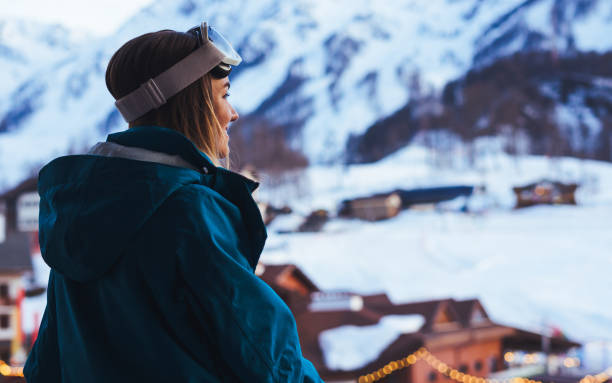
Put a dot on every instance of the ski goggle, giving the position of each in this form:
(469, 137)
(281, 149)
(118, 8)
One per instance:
(213, 50)
(204, 33)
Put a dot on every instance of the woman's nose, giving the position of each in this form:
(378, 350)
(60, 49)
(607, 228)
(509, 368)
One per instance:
(234, 114)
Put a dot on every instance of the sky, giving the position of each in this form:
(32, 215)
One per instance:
(99, 18)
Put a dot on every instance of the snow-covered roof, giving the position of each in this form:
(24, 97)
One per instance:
(335, 302)
(351, 347)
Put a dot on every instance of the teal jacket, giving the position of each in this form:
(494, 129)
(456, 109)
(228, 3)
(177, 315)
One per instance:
(153, 272)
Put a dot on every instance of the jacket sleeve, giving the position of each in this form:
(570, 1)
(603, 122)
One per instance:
(43, 362)
(254, 330)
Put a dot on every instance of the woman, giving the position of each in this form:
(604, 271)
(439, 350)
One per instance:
(152, 244)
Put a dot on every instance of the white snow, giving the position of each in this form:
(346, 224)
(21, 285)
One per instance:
(596, 356)
(27, 46)
(40, 270)
(286, 222)
(351, 347)
(589, 31)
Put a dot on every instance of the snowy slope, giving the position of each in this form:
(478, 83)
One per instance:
(331, 68)
(532, 268)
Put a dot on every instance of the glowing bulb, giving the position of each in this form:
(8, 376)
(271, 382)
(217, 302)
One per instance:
(5, 370)
(571, 362)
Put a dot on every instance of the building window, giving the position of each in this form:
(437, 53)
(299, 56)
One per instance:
(4, 321)
(478, 365)
(4, 291)
(433, 376)
(463, 368)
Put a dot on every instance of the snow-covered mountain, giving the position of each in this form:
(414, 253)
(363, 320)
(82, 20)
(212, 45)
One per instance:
(325, 69)
(27, 46)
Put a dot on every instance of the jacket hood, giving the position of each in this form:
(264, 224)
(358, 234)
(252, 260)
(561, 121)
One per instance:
(92, 205)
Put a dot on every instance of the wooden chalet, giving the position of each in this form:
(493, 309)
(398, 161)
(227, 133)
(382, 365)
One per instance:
(460, 333)
(374, 208)
(545, 192)
(388, 205)
(314, 222)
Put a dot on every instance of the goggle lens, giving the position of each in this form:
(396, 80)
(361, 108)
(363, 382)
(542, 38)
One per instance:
(231, 56)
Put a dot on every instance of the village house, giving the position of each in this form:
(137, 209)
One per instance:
(18, 242)
(387, 205)
(348, 335)
(374, 208)
(14, 262)
(545, 192)
(314, 222)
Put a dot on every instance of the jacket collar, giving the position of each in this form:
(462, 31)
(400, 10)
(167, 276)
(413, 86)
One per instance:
(233, 186)
(164, 140)
(173, 143)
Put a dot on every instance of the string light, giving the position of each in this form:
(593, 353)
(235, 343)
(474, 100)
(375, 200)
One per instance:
(458, 376)
(571, 362)
(7, 370)
(396, 365)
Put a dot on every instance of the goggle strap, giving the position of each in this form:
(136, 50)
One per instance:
(189, 69)
(155, 92)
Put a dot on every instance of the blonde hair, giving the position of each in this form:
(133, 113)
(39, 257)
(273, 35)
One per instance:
(191, 111)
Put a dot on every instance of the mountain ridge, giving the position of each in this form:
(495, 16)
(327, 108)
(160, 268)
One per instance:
(324, 70)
